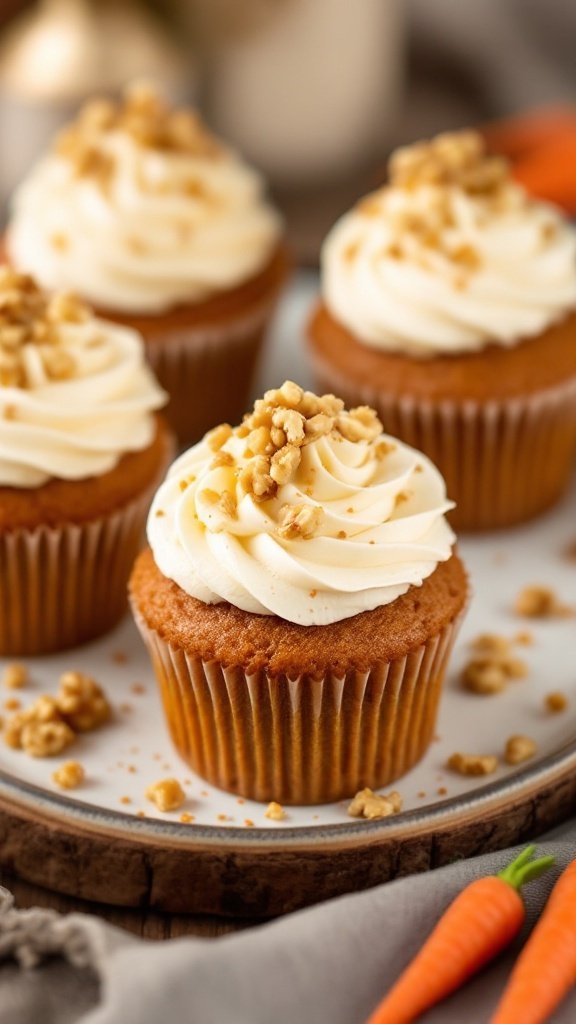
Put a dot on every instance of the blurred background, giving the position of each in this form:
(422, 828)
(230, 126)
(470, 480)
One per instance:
(315, 92)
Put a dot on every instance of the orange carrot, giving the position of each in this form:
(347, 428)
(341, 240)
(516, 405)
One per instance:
(523, 133)
(481, 921)
(549, 172)
(546, 968)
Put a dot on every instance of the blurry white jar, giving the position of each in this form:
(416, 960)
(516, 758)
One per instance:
(308, 89)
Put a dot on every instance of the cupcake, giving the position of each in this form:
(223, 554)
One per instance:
(299, 599)
(163, 228)
(81, 452)
(449, 304)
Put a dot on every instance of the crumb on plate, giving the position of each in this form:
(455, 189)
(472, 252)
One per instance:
(15, 676)
(275, 811)
(69, 775)
(371, 805)
(519, 749)
(556, 701)
(472, 764)
(538, 602)
(167, 794)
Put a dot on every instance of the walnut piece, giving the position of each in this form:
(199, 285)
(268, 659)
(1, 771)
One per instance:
(46, 739)
(492, 666)
(537, 602)
(69, 775)
(15, 676)
(275, 812)
(519, 749)
(167, 794)
(472, 764)
(360, 424)
(556, 702)
(299, 521)
(82, 702)
(452, 158)
(367, 804)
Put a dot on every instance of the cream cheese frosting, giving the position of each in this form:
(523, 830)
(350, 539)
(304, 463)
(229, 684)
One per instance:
(138, 209)
(305, 511)
(450, 256)
(75, 391)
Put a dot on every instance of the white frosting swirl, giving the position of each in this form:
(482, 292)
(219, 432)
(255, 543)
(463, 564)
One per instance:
(382, 530)
(81, 427)
(166, 228)
(490, 270)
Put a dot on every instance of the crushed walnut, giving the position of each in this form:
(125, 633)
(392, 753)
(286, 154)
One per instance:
(166, 794)
(537, 602)
(472, 764)
(556, 702)
(519, 749)
(15, 676)
(50, 725)
(452, 158)
(69, 775)
(275, 812)
(82, 702)
(367, 804)
(144, 116)
(492, 665)
(32, 347)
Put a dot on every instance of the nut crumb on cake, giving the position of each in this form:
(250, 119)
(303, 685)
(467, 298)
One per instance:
(371, 805)
(472, 764)
(166, 794)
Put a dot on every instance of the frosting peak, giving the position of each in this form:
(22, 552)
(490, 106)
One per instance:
(75, 392)
(138, 208)
(452, 255)
(306, 511)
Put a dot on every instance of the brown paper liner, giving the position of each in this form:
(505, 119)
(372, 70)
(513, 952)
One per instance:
(60, 587)
(503, 462)
(207, 370)
(306, 740)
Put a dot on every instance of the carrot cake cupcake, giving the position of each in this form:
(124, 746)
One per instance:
(162, 227)
(449, 303)
(81, 451)
(299, 599)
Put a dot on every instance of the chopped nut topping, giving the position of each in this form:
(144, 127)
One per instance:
(82, 702)
(299, 521)
(536, 602)
(519, 749)
(167, 794)
(146, 118)
(69, 775)
(453, 158)
(275, 812)
(360, 424)
(218, 436)
(472, 764)
(556, 702)
(367, 804)
(15, 676)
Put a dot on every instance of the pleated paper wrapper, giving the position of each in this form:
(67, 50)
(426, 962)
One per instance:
(503, 462)
(305, 740)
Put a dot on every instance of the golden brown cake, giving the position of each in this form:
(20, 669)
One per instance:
(81, 451)
(449, 303)
(299, 601)
(162, 227)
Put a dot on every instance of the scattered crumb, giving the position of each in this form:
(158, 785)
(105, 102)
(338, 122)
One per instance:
(167, 794)
(82, 702)
(442, 791)
(119, 657)
(12, 704)
(132, 769)
(15, 676)
(156, 757)
(125, 800)
(491, 644)
(138, 688)
(556, 702)
(204, 792)
(499, 558)
(224, 817)
(140, 814)
(125, 708)
(240, 800)
(525, 638)
(315, 817)
(275, 812)
(472, 764)
(570, 551)
(421, 794)
(492, 665)
(186, 818)
(367, 804)
(519, 749)
(537, 602)
(248, 822)
(69, 775)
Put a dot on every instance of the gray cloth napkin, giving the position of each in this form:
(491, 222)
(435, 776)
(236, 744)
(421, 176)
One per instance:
(330, 963)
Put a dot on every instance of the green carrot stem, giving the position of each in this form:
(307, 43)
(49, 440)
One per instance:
(523, 869)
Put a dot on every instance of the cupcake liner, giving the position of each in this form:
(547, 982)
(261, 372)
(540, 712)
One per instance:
(62, 586)
(503, 461)
(207, 370)
(304, 740)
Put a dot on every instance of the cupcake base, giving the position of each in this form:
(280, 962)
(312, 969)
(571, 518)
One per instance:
(499, 424)
(64, 583)
(205, 355)
(309, 735)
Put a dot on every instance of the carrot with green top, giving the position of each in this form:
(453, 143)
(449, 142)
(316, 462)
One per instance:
(481, 921)
(546, 969)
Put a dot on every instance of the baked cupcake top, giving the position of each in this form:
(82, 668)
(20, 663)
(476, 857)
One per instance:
(75, 391)
(304, 511)
(450, 256)
(138, 208)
